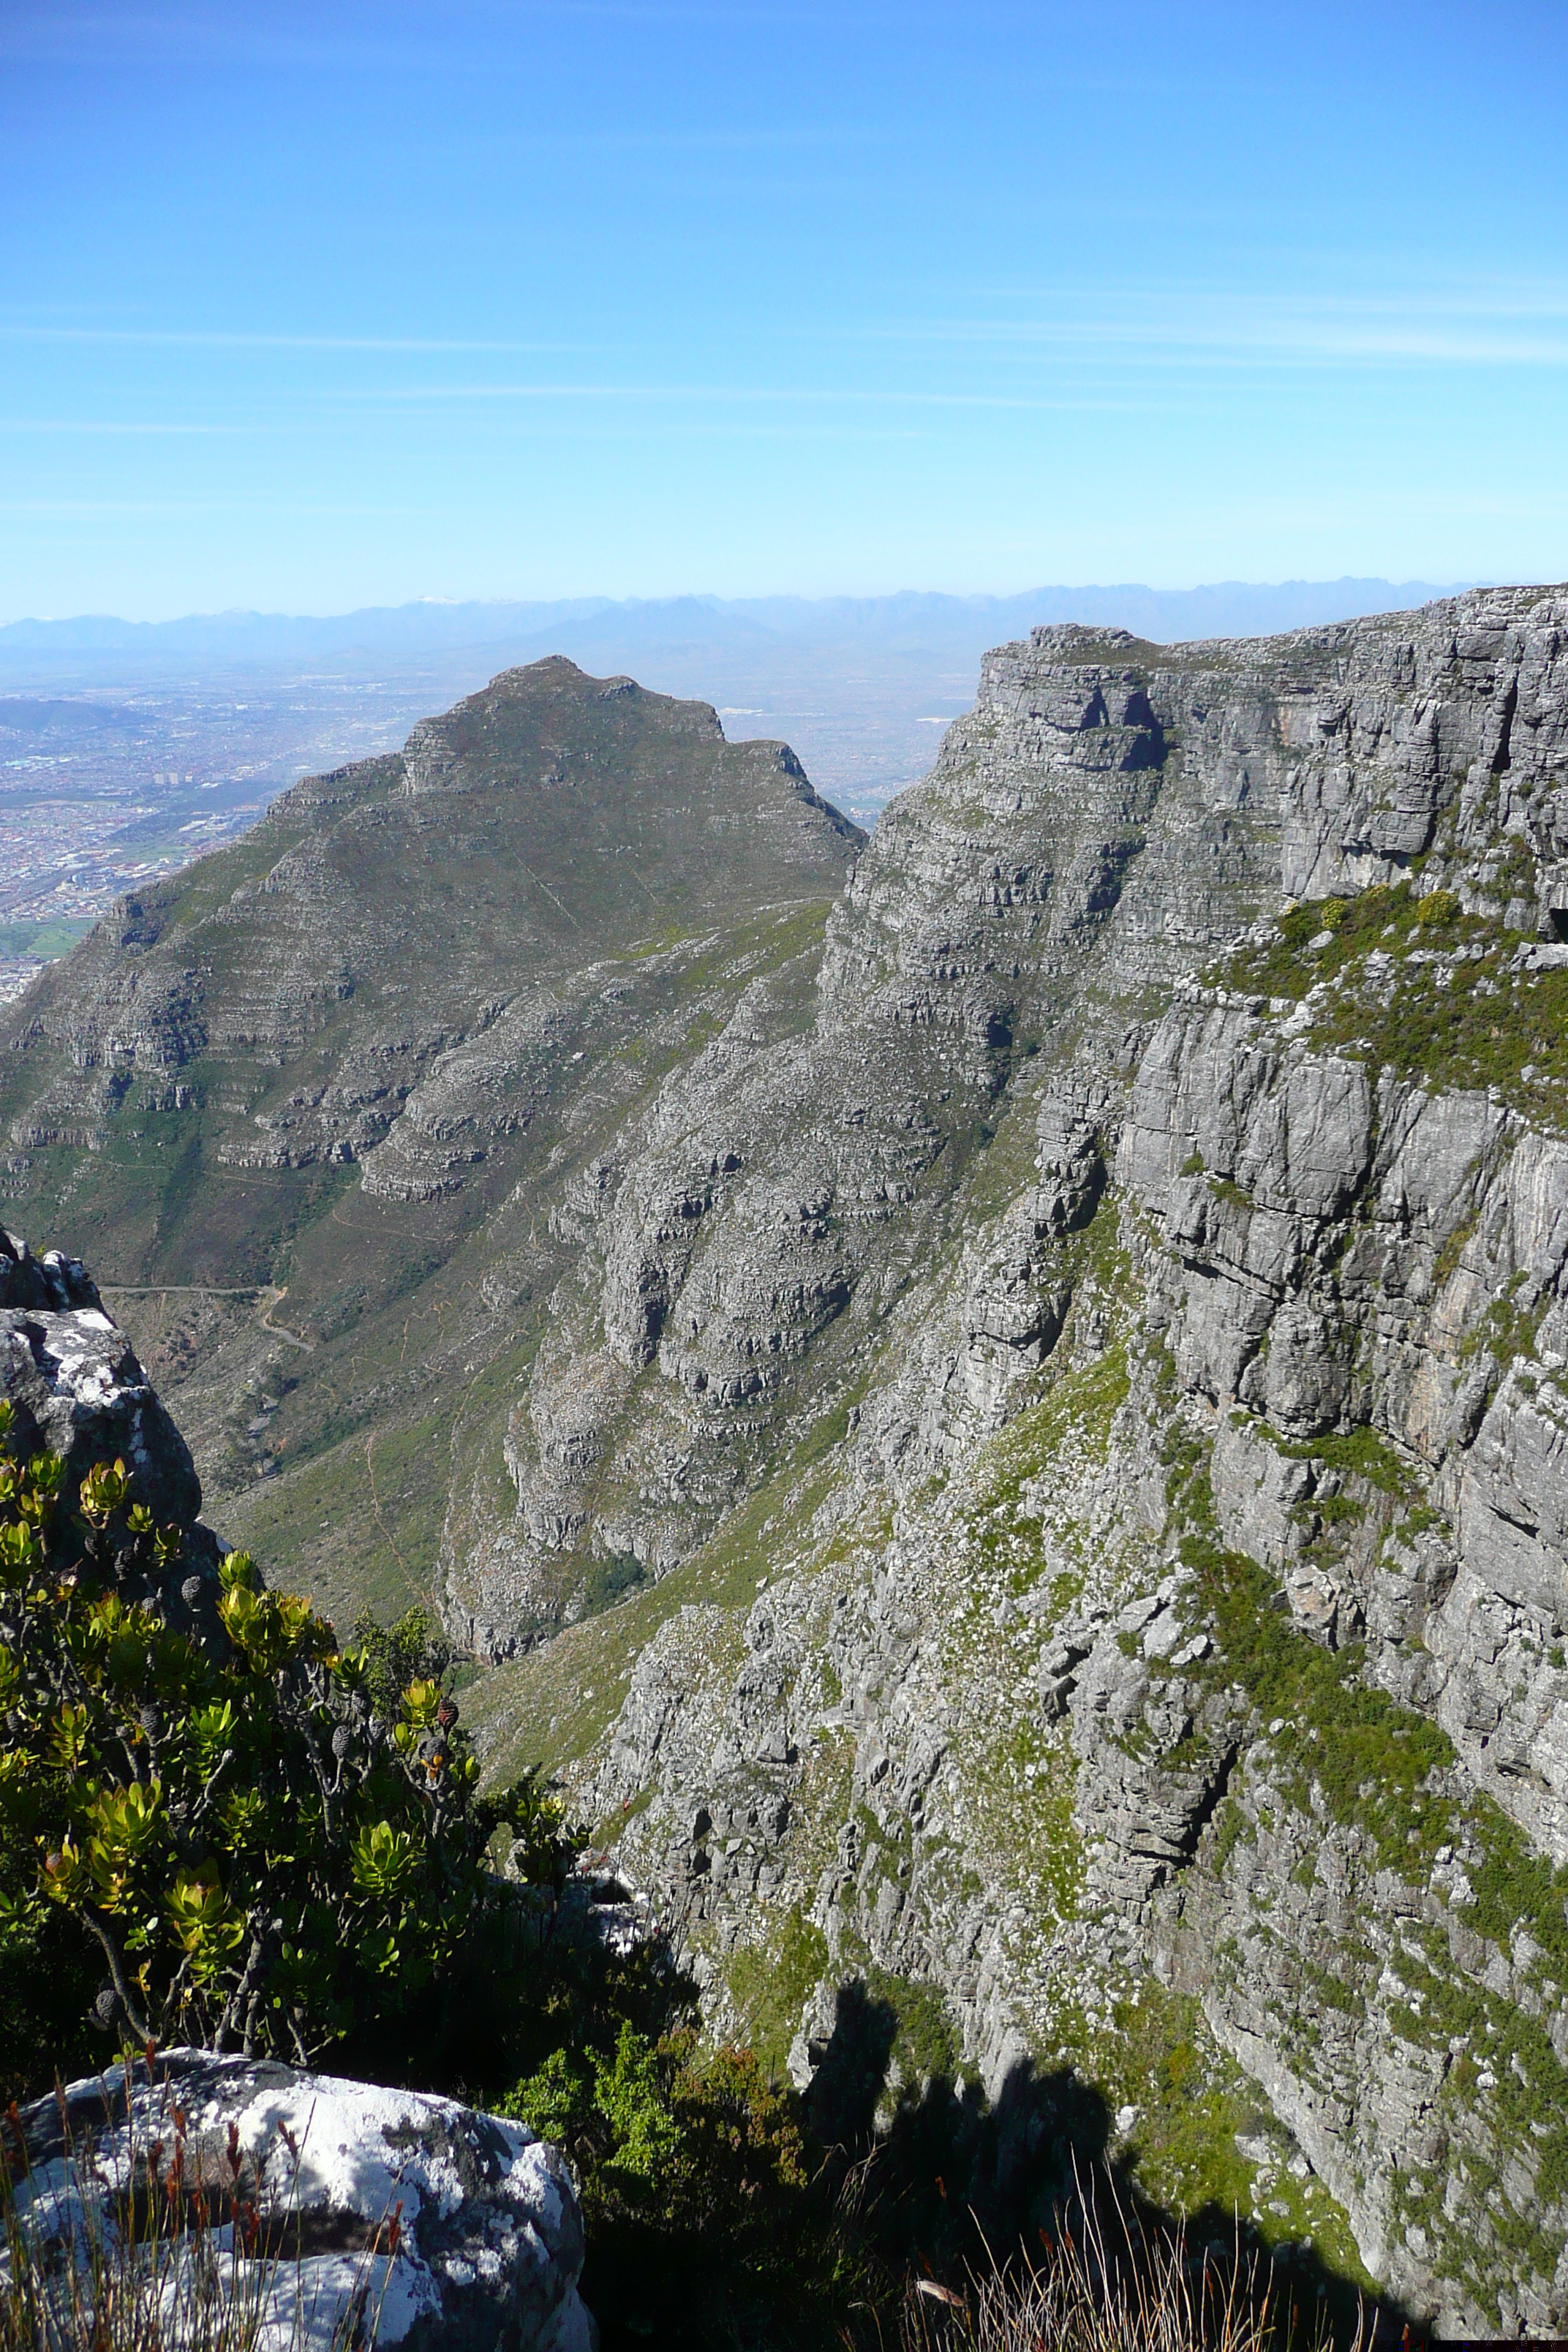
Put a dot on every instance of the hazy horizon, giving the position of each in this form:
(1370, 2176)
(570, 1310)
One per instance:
(1357, 594)
(182, 729)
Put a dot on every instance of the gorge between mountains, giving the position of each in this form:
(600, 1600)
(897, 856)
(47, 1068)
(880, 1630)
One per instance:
(992, 1398)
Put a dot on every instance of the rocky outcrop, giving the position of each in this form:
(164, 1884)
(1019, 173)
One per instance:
(1106, 818)
(391, 2216)
(75, 1387)
(365, 1052)
(1341, 1262)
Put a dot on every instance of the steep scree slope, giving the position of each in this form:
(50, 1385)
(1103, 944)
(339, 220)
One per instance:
(1150, 1658)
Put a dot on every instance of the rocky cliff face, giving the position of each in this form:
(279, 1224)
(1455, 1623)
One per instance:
(1153, 1653)
(1059, 1363)
(74, 1388)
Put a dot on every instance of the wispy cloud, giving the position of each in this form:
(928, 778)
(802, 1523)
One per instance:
(1497, 326)
(1127, 326)
(91, 425)
(707, 395)
(98, 510)
(253, 338)
(451, 40)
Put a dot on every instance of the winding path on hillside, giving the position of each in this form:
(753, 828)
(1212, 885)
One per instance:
(264, 1294)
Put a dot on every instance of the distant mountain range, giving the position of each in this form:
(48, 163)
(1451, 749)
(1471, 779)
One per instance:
(599, 631)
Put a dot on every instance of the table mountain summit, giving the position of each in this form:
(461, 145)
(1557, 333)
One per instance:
(992, 1398)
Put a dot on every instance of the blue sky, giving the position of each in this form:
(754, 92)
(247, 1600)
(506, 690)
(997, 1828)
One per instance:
(305, 307)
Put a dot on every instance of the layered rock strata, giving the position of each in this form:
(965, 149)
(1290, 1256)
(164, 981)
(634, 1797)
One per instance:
(1178, 1622)
(369, 1056)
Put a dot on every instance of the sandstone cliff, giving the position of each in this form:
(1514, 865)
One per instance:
(370, 1056)
(1163, 1618)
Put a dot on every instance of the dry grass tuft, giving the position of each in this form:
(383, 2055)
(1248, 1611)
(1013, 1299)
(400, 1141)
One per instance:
(1106, 2286)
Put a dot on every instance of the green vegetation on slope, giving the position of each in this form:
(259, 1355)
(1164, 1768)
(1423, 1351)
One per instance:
(1415, 986)
(1342, 1753)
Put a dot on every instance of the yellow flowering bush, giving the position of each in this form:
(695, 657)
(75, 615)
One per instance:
(261, 1845)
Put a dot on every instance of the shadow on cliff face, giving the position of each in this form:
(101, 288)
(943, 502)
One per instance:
(754, 2220)
(951, 2182)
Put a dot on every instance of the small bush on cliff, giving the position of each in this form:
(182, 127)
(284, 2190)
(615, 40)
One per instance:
(260, 1839)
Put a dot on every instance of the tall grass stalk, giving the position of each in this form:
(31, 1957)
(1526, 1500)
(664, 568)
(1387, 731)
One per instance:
(1105, 2286)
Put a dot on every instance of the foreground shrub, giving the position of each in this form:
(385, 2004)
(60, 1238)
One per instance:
(259, 1839)
(710, 2218)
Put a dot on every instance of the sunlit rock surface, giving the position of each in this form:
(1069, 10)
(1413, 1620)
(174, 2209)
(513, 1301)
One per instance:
(401, 2219)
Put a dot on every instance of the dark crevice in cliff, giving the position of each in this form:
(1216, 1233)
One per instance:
(1503, 756)
(1211, 1801)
